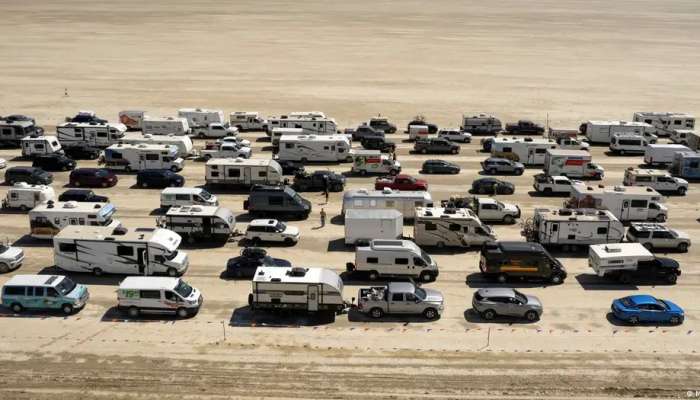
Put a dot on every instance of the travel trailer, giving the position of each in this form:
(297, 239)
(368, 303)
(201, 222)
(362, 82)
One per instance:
(529, 151)
(33, 146)
(664, 123)
(686, 137)
(572, 164)
(627, 203)
(242, 172)
(165, 126)
(417, 132)
(25, 196)
(686, 164)
(199, 223)
(403, 201)
(277, 133)
(247, 121)
(157, 295)
(451, 227)
(662, 154)
(13, 130)
(316, 124)
(628, 143)
(570, 228)
(657, 179)
(132, 119)
(89, 137)
(483, 124)
(117, 250)
(394, 259)
(137, 157)
(363, 225)
(47, 219)
(296, 288)
(183, 143)
(602, 131)
(186, 196)
(314, 148)
(201, 117)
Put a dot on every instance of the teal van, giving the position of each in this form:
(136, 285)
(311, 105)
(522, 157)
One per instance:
(44, 292)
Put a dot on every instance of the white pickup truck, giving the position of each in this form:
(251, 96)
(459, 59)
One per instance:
(486, 208)
(226, 150)
(554, 185)
(214, 131)
(572, 144)
(400, 298)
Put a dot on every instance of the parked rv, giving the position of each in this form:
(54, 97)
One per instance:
(686, 164)
(529, 151)
(199, 223)
(137, 157)
(109, 250)
(247, 121)
(363, 225)
(403, 201)
(157, 295)
(373, 162)
(628, 143)
(47, 219)
(522, 260)
(394, 259)
(25, 196)
(200, 117)
(602, 131)
(450, 227)
(312, 124)
(242, 172)
(659, 180)
(183, 143)
(265, 200)
(664, 123)
(86, 139)
(553, 185)
(277, 133)
(400, 298)
(662, 154)
(165, 126)
(132, 119)
(631, 262)
(686, 137)
(658, 236)
(627, 203)
(12, 130)
(186, 196)
(314, 148)
(572, 164)
(570, 228)
(33, 146)
(44, 292)
(481, 124)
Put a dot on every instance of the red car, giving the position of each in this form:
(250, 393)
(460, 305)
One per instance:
(400, 182)
(93, 177)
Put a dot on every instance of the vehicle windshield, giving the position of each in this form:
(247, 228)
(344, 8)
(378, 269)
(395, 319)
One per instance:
(171, 255)
(101, 173)
(425, 256)
(500, 205)
(183, 289)
(280, 226)
(626, 302)
(662, 304)
(65, 286)
(420, 293)
(205, 195)
(521, 297)
(298, 199)
(3, 248)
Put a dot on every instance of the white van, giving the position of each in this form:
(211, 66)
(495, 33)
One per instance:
(25, 196)
(160, 295)
(628, 143)
(662, 154)
(186, 196)
(394, 258)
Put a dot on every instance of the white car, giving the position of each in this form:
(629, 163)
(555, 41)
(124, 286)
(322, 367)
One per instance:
(455, 135)
(3, 163)
(271, 230)
(10, 258)
(234, 139)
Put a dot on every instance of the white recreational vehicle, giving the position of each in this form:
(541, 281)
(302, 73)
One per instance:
(165, 126)
(394, 258)
(314, 148)
(312, 123)
(664, 123)
(183, 143)
(481, 123)
(137, 157)
(529, 151)
(686, 137)
(25, 196)
(572, 227)
(627, 203)
(89, 136)
(13, 130)
(363, 225)
(247, 121)
(196, 223)
(296, 288)
(657, 179)
(572, 164)
(132, 119)
(201, 117)
(662, 154)
(602, 131)
(47, 219)
(106, 249)
(277, 133)
(628, 143)
(452, 227)
(403, 201)
(33, 146)
(242, 172)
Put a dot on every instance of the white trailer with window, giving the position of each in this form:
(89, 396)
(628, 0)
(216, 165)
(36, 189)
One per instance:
(165, 126)
(33, 146)
(137, 157)
(312, 124)
(89, 136)
(201, 117)
(363, 225)
(25, 196)
(105, 249)
(570, 228)
(277, 133)
(314, 148)
(403, 201)
(199, 223)
(627, 203)
(664, 123)
(183, 143)
(296, 288)
(451, 227)
(242, 172)
(13, 130)
(529, 151)
(602, 131)
(47, 219)
(247, 121)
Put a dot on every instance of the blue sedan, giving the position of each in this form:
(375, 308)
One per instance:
(646, 308)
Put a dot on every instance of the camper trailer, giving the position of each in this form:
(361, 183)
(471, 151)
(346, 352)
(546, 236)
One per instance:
(363, 225)
(165, 126)
(662, 154)
(451, 227)
(183, 143)
(570, 228)
(13, 130)
(572, 164)
(247, 121)
(686, 137)
(311, 123)
(25, 196)
(242, 172)
(199, 223)
(89, 137)
(47, 219)
(201, 117)
(529, 151)
(137, 157)
(109, 250)
(664, 123)
(602, 131)
(132, 119)
(481, 124)
(628, 143)
(33, 146)
(631, 262)
(627, 203)
(686, 164)
(314, 148)
(657, 179)
(277, 133)
(403, 201)
(296, 288)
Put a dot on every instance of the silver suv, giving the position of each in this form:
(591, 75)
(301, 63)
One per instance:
(658, 236)
(493, 302)
(495, 165)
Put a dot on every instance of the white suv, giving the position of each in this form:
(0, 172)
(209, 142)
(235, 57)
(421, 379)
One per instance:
(271, 230)
(10, 258)
(455, 135)
(658, 236)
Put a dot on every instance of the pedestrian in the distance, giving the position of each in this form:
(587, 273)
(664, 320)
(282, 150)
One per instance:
(323, 218)
(326, 188)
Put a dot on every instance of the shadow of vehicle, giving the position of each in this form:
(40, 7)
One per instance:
(337, 220)
(595, 282)
(361, 278)
(223, 189)
(85, 278)
(8, 313)
(471, 315)
(356, 316)
(245, 317)
(158, 211)
(618, 322)
(114, 315)
(29, 241)
(11, 211)
(476, 280)
(263, 139)
(243, 242)
(339, 245)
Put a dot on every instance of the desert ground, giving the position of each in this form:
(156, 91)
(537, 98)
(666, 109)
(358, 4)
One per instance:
(560, 62)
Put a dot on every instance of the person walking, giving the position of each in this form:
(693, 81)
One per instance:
(326, 188)
(323, 218)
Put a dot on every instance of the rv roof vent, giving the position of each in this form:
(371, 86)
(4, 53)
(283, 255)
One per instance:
(196, 209)
(649, 189)
(428, 213)
(49, 204)
(120, 230)
(142, 146)
(198, 109)
(238, 160)
(362, 191)
(275, 280)
(148, 136)
(630, 168)
(619, 189)
(601, 212)
(613, 249)
(528, 139)
(387, 190)
(564, 211)
(98, 206)
(22, 185)
(297, 271)
(601, 186)
(70, 204)
(589, 188)
(108, 238)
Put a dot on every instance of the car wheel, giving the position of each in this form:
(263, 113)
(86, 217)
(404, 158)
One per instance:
(556, 279)
(182, 312)
(440, 245)
(67, 309)
(255, 241)
(190, 239)
(493, 171)
(661, 218)
(24, 208)
(16, 308)
(622, 152)
(4, 268)
(76, 183)
(64, 168)
(376, 313)
(288, 241)
(625, 278)
(174, 168)
(11, 182)
(373, 275)
(103, 184)
(424, 151)
(508, 219)
(633, 320)
(681, 191)
(547, 191)
(430, 313)
(128, 168)
(173, 184)
(427, 170)
(482, 190)
(671, 278)
(97, 271)
(502, 278)
(426, 276)
(304, 160)
(144, 184)
(133, 312)
(519, 172)
(675, 320)
(172, 272)
(363, 172)
(455, 151)
(488, 315)
(683, 247)
(393, 172)
(532, 316)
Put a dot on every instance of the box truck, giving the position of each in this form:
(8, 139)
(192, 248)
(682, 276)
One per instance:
(572, 164)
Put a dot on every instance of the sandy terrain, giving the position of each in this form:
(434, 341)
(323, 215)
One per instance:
(571, 60)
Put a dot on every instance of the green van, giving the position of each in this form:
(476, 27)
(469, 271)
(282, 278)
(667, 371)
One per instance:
(44, 292)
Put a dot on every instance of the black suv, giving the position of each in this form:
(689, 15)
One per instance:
(439, 167)
(492, 186)
(318, 180)
(435, 145)
(31, 175)
(382, 124)
(87, 116)
(159, 178)
(265, 200)
(378, 143)
(53, 162)
(366, 131)
(251, 258)
(82, 196)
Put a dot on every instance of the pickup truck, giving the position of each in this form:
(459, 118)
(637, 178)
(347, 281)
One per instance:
(486, 208)
(400, 182)
(435, 145)
(568, 143)
(214, 130)
(226, 150)
(317, 180)
(363, 132)
(524, 127)
(378, 143)
(553, 185)
(400, 298)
